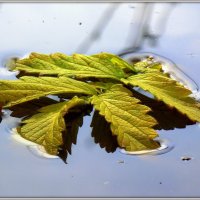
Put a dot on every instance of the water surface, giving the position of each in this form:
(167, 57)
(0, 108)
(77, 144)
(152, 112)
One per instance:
(91, 172)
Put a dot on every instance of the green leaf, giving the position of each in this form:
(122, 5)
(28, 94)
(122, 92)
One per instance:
(128, 118)
(28, 88)
(116, 60)
(169, 91)
(102, 133)
(147, 65)
(46, 127)
(77, 65)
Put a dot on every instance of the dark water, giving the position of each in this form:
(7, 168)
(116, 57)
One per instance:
(91, 171)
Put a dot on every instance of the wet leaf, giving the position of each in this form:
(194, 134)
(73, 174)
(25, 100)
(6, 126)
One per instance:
(129, 119)
(77, 65)
(147, 66)
(168, 91)
(14, 92)
(102, 133)
(46, 127)
(116, 60)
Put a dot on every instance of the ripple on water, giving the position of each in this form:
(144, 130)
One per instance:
(168, 66)
(165, 146)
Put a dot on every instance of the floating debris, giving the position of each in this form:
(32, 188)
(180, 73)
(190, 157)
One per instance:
(186, 158)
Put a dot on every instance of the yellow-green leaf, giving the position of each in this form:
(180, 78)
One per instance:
(28, 88)
(129, 119)
(170, 91)
(77, 65)
(46, 127)
(147, 66)
(116, 60)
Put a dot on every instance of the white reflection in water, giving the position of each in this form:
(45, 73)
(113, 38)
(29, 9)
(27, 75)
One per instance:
(165, 146)
(5, 74)
(35, 149)
(39, 151)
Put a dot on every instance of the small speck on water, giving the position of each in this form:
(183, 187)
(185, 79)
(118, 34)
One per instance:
(120, 161)
(80, 23)
(191, 54)
(160, 183)
(186, 158)
(42, 21)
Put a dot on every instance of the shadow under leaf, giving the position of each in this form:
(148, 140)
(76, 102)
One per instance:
(30, 108)
(24, 73)
(167, 117)
(1, 113)
(102, 133)
(73, 121)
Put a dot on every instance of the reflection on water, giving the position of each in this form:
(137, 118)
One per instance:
(165, 146)
(40, 152)
(102, 133)
(35, 149)
(152, 24)
(96, 33)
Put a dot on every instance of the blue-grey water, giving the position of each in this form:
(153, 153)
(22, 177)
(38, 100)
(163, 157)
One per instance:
(91, 172)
